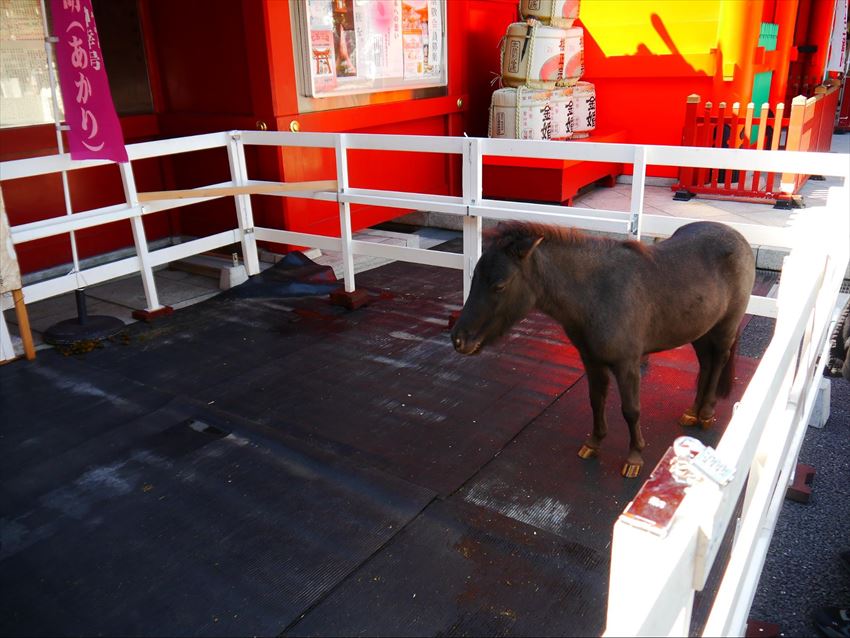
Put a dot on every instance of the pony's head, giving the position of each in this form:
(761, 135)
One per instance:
(500, 294)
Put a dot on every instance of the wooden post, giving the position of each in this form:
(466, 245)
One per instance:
(820, 115)
(689, 134)
(718, 139)
(763, 115)
(733, 142)
(746, 142)
(774, 142)
(24, 324)
(703, 139)
(795, 133)
(224, 191)
(10, 281)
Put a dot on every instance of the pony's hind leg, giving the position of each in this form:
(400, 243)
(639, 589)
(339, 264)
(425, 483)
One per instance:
(704, 353)
(717, 351)
(597, 381)
(628, 381)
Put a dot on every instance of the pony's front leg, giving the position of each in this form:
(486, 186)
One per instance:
(628, 381)
(597, 381)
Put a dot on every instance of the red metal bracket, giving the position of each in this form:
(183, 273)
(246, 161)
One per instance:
(800, 489)
(350, 300)
(149, 315)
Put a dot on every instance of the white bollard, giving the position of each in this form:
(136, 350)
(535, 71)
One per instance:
(820, 411)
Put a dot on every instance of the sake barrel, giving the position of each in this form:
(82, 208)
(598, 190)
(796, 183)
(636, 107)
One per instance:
(573, 57)
(584, 109)
(558, 13)
(531, 114)
(533, 55)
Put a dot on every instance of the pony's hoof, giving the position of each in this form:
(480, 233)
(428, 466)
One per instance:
(688, 419)
(587, 452)
(631, 470)
(707, 422)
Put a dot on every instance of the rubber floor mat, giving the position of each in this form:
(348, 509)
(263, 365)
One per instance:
(540, 480)
(196, 529)
(393, 390)
(54, 406)
(461, 570)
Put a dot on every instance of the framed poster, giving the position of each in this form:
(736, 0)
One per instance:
(367, 46)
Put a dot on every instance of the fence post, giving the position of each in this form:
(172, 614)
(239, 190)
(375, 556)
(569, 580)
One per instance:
(344, 213)
(746, 143)
(651, 585)
(140, 240)
(762, 132)
(472, 194)
(796, 120)
(703, 139)
(830, 114)
(638, 185)
(774, 143)
(718, 140)
(733, 142)
(686, 174)
(244, 211)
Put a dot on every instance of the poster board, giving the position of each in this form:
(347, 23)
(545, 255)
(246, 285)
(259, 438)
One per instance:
(368, 46)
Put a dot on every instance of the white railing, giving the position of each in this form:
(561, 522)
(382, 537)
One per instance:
(653, 577)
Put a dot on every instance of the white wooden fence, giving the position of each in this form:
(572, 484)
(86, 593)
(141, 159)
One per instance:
(653, 576)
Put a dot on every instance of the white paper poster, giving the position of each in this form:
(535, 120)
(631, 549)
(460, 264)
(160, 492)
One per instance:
(360, 46)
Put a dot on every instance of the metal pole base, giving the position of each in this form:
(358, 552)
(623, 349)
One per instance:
(70, 331)
(84, 327)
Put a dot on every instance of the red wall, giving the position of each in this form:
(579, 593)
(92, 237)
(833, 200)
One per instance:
(42, 197)
(444, 115)
(220, 65)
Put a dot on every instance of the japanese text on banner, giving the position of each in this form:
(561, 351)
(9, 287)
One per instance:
(95, 131)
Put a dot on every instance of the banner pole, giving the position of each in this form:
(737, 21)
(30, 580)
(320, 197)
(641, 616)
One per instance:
(51, 73)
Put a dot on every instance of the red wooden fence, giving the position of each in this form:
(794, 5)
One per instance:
(808, 127)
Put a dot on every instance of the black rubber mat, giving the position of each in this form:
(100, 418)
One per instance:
(254, 464)
(196, 529)
(382, 382)
(54, 407)
(524, 547)
(393, 390)
(205, 344)
(461, 570)
(536, 479)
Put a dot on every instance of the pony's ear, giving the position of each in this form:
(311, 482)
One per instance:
(524, 246)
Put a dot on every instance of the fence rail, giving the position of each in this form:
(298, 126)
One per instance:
(807, 127)
(670, 567)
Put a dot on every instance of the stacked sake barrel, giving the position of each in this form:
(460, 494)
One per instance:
(542, 65)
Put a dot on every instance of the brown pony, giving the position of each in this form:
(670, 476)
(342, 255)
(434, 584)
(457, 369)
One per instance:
(617, 302)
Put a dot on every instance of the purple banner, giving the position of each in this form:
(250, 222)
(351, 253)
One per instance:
(95, 129)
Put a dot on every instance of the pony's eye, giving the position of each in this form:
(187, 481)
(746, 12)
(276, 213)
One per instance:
(500, 287)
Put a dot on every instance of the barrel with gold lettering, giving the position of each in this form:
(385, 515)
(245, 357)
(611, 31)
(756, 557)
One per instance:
(584, 105)
(531, 114)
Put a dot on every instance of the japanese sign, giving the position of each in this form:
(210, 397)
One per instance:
(95, 131)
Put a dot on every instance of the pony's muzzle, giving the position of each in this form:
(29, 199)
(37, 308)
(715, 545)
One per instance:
(462, 343)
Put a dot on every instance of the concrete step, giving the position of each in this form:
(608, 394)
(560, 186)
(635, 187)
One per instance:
(229, 272)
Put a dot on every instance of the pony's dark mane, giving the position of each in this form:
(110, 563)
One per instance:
(508, 232)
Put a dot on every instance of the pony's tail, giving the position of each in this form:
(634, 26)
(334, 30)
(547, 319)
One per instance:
(727, 375)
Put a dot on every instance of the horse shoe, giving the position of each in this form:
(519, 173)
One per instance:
(689, 418)
(707, 422)
(630, 470)
(587, 452)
